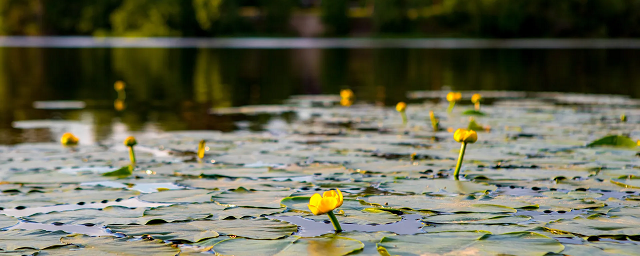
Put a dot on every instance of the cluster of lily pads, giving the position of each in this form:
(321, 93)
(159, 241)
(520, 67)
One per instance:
(540, 181)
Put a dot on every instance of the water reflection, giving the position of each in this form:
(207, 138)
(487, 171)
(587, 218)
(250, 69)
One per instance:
(174, 89)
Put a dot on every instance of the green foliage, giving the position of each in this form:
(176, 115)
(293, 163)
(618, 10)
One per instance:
(147, 18)
(277, 15)
(335, 17)
(614, 141)
(466, 18)
(389, 16)
(19, 17)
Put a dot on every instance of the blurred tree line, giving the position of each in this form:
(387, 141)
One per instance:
(201, 18)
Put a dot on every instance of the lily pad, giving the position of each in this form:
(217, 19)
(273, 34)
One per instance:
(260, 228)
(614, 141)
(429, 186)
(599, 226)
(12, 240)
(85, 245)
(246, 198)
(330, 246)
(447, 204)
(470, 243)
(179, 196)
(475, 218)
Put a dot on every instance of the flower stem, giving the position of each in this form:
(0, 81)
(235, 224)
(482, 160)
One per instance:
(335, 222)
(132, 157)
(477, 106)
(451, 105)
(404, 118)
(460, 157)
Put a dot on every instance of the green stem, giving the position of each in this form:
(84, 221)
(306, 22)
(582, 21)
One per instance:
(132, 157)
(122, 95)
(460, 157)
(335, 222)
(404, 118)
(451, 105)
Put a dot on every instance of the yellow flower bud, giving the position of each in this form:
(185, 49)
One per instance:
(346, 102)
(466, 136)
(119, 105)
(401, 107)
(118, 86)
(346, 94)
(68, 139)
(130, 141)
(454, 96)
(329, 201)
(476, 98)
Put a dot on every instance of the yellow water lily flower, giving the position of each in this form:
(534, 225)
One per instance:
(130, 141)
(465, 136)
(68, 139)
(476, 98)
(346, 94)
(346, 102)
(118, 86)
(326, 203)
(401, 106)
(454, 96)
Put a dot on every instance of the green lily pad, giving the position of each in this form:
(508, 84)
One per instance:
(85, 245)
(472, 112)
(597, 249)
(7, 221)
(599, 226)
(246, 198)
(330, 246)
(614, 141)
(361, 217)
(251, 173)
(260, 228)
(250, 247)
(475, 218)
(429, 186)
(432, 243)
(470, 243)
(12, 240)
(447, 204)
(179, 196)
(65, 196)
(226, 184)
(493, 229)
(120, 173)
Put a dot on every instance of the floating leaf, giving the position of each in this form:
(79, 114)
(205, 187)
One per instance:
(11, 240)
(614, 141)
(470, 243)
(599, 226)
(179, 196)
(472, 112)
(85, 245)
(260, 228)
(243, 197)
(120, 173)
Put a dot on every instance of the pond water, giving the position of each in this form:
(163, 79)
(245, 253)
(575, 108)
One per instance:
(276, 133)
(175, 88)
